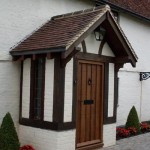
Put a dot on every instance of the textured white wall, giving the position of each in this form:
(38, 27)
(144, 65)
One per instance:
(9, 89)
(130, 87)
(109, 135)
(145, 100)
(26, 88)
(47, 140)
(129, 95)
(68, 91)
(111, 90)
(20, 18)
(49, 88)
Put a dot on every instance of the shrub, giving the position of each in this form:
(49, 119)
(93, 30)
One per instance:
(27, 147)
(133, 120)
(9, 134)
(3, 142)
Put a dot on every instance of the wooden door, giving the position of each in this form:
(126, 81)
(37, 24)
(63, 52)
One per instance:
(89, 104)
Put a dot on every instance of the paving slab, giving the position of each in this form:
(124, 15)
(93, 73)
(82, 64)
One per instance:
(139, 142)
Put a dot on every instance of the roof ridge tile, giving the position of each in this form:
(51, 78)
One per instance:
(81, 12)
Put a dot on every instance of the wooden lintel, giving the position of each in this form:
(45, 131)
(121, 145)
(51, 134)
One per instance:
(49, 56)
(124, 59)
(95, 57)
(84, 46)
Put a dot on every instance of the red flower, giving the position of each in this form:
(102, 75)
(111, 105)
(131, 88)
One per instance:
(122, 132)
(132, 130)
(27, 147)
(145, 127)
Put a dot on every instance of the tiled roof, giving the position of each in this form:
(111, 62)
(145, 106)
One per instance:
(65, 32)
(138, 7)
(61, 30)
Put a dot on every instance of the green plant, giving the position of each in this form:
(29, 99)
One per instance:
(8, 132)
(133, 120)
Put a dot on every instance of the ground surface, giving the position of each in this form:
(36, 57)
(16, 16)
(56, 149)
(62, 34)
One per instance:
(140, 142)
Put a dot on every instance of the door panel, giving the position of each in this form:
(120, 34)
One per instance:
(89, 112)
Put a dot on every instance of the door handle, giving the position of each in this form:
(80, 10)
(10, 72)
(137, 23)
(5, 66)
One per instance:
(89, 82)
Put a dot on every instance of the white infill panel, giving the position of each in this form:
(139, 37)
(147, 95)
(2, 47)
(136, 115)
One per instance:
(111, 90)
(68, 91)
(26, 88)
(49, 85)
(107, 51)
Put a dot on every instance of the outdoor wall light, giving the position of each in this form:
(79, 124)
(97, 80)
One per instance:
(144, 75)
(99, 33)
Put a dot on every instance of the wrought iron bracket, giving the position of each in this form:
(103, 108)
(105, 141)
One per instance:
(144, 75)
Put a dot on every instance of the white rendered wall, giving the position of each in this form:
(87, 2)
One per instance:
(109, 134)
(131, 90)
(49, 88)
(46, 139)
(26, 88)
(9, 89)
(21, 18)
(68, 91)
(111, 90)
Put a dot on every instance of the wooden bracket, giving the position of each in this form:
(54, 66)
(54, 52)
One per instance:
(84, 46)
(68, 58)
(118, 66)
(102, 45)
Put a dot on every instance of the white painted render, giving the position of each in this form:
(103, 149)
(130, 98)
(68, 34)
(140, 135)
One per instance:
(49, 89)
(60, 140)
(26, 88)
(9, 89)
(19, 18)
(47, 139)
(131, 90)
(111, 90)
(68, 91)
(109, 134)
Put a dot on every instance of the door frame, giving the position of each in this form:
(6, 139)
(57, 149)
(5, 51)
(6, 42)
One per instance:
(75, 109)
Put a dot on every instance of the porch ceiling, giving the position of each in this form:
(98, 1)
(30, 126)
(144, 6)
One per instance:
(64, 32)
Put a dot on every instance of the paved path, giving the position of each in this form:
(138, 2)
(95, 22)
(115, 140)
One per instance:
(140, 142)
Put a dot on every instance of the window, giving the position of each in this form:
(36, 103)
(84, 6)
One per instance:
(37, 89)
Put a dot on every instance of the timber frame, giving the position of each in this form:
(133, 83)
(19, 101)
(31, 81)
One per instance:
(62, 54)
